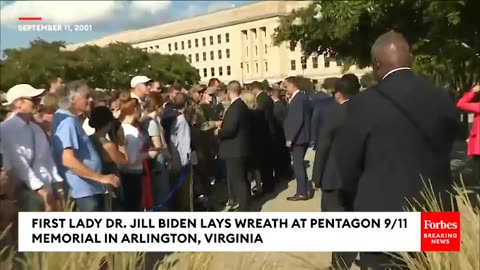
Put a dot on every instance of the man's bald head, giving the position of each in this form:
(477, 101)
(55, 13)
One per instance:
(390, 51)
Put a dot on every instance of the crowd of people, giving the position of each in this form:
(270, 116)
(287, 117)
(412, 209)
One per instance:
(146, 148)
(164, 148)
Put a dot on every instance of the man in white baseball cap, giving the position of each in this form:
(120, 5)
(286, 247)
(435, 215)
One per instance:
(28, 150)
(22, 91)
(140, 89)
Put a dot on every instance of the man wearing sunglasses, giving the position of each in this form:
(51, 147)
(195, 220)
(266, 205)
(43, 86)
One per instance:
(27, 148)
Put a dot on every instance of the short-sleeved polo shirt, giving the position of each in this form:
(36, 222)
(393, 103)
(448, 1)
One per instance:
(67, 132)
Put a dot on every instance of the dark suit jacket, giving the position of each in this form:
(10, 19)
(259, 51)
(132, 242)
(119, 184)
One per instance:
(324, 167)
(322, 104)
(384, 151)
(265, 106)
(260, 140)
(298, 121)
(168, 118)
(235, 133)
(280, 110)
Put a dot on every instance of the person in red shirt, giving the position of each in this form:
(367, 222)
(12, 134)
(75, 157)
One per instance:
(470, 103)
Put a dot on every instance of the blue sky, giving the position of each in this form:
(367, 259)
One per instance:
(105, 17)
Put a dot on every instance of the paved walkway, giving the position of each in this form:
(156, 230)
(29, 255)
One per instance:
(287, 260)
(267, 260)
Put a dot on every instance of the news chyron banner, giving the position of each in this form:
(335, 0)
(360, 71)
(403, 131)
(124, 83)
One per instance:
(243, 231)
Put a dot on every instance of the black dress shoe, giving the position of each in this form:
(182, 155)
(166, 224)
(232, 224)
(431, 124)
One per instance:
(297, 197)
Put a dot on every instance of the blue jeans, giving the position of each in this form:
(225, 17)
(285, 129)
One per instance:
(95, 203)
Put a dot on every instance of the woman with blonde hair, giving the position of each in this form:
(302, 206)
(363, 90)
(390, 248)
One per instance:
(254, 173)
(137, 152)
(249, 98)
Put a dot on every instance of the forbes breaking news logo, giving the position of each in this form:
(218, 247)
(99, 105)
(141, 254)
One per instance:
(440, 231)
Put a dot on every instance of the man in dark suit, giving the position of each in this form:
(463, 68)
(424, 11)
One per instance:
(321, 103)
(234, 135)
(267, 133)
(397, 134)
(282, 161)
(325, 174)
(297, 133)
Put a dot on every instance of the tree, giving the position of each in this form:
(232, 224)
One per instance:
(109, 67)
(35, 65)
(367, 80)
(445, 35)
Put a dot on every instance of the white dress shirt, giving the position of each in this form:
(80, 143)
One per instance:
(293, 95)
(394, 70)
(180, 137)
(28, 152)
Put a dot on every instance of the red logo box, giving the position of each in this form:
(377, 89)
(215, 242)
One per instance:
(440, 231)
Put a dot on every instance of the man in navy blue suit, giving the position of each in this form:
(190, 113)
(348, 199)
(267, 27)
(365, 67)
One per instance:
(322, 103)
(297, 133)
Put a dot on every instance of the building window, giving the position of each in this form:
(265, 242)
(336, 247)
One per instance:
(254, 33)
(169, 47)
(211, 40)
(326, 62)
(190, 58)
(247, 51)
(220, 71)
(197, 57)
(219, 54)
(189, 44)
(256, 50)
(212, 72)
(293, 65)
(204, 42)
(265, 48)
(219, 39)
(266, 67)
(211, 55)
(292, 46)
(303, 60)
(157, 47)
(229, 71)
(339, 62)
(227, 52)
(175, 46)
(264, 31)
(196, 43)
(204, 56)
(256, 67)
(151, 47)
(315, 62)
(205, 72)
(245, 34)
(248, 68)
(227, 37)
(183, 45)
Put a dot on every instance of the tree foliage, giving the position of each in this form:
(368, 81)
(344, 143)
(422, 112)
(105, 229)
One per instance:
(444, 35)
(109, 67)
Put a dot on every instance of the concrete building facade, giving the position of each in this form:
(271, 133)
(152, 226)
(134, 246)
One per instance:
(233, 44)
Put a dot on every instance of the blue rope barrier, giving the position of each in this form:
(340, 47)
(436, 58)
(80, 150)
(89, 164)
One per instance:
(181, 180)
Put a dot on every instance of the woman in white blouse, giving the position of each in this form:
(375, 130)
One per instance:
(131, 176)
